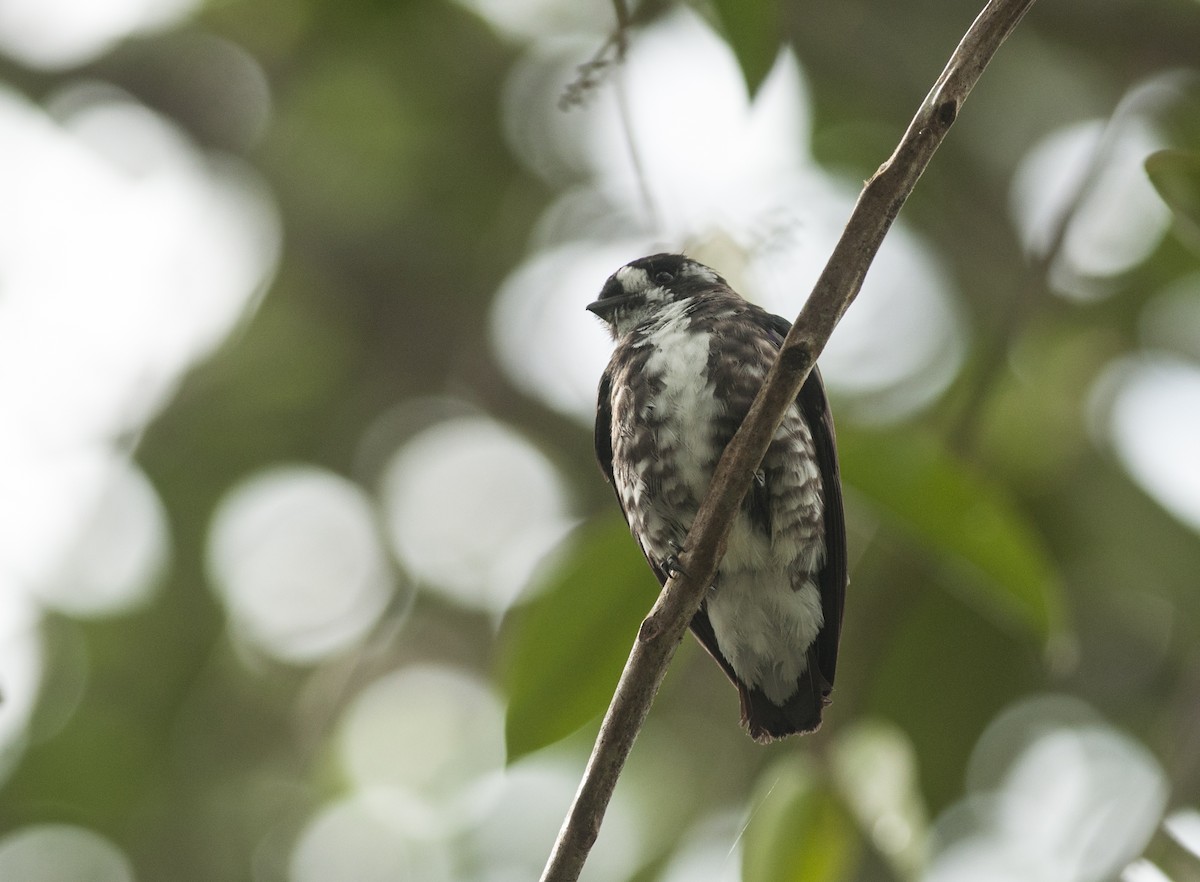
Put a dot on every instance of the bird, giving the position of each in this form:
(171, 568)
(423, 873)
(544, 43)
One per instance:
(690, 355)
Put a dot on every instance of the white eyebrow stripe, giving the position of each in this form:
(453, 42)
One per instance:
(632, 278)
(693, 270)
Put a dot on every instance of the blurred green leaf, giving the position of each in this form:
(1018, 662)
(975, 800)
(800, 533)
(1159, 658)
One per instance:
(935, 668)
(753, 32)
(799, 831)
(567, 647)
(998, 558)
(1176, 176)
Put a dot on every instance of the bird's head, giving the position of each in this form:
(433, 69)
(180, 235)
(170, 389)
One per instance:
(639, 290)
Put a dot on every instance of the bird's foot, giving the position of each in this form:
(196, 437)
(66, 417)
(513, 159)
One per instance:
(671, 565)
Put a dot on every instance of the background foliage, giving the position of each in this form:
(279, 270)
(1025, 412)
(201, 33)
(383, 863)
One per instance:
(1020, 683)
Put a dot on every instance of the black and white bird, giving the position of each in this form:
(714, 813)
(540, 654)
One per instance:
(690, 356)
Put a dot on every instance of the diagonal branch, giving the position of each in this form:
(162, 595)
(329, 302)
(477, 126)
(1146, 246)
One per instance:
(836, 288)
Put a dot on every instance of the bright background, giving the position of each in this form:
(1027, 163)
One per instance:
(307, 574)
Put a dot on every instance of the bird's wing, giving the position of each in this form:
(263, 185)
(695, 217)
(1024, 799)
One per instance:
(833, 576)
(604, 456)
(603, 439)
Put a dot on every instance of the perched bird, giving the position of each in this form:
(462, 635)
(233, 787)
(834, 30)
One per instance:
(690, 356)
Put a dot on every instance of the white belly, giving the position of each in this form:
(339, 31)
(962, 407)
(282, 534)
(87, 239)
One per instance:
(764, 627)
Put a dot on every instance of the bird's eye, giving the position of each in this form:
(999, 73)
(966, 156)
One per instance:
(664, 277)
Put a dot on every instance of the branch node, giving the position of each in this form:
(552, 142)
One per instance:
(947, 112)
(650, 629)
(796, 358)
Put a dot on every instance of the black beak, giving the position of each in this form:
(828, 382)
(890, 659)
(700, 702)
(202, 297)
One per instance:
(612, 296)
(605, 306)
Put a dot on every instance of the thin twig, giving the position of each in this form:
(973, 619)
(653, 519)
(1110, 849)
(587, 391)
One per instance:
(965, 426)
(836, 288)
(590, 74)
(649, 207)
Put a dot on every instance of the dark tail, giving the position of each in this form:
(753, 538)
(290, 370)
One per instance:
(766, 721)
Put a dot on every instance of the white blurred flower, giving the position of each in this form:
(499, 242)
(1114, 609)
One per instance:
(66, 33)
(1120, 219)
(433, 737)
(61, 852)
(295, 555)
(1184, 827)
(1070, 800)
(22, 661)
(471, 508)
(1149, 409)
(126, 255)
(362, 838)
(514, 838)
